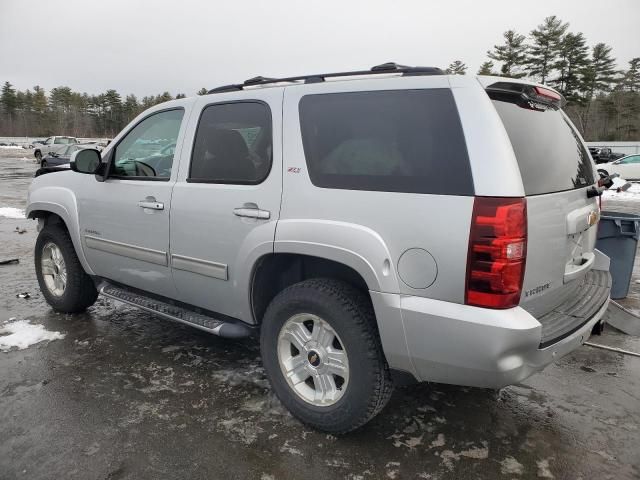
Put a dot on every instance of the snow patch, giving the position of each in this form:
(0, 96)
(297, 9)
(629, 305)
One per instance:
(11, 212)
(510, 466)
(631, 195)
(22, 334)
(10, 147)
(543, 469)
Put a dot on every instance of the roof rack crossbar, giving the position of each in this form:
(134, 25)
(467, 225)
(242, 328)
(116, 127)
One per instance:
(385, 68)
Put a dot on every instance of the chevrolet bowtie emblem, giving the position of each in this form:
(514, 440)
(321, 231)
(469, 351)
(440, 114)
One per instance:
(592, 219)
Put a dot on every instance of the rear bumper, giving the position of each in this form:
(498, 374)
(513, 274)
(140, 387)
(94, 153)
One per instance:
(464, 345)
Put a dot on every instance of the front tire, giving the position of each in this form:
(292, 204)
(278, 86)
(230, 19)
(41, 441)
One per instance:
(64, 284)
(322, 354)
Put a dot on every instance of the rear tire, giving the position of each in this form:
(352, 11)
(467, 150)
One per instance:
(338, 378)
(38, 155)
(64, 284)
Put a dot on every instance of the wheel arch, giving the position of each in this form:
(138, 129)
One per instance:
(274, 272)
(48, 213)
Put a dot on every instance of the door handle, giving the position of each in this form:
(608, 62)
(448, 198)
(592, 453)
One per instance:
(151, 203)
(252, 212)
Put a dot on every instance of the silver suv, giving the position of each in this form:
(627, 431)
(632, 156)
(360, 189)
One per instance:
(372, 227)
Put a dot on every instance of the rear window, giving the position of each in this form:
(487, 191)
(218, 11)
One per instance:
(391, 141)
(550, 154)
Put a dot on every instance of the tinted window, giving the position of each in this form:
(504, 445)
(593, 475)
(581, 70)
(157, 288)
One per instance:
(233, 144)
(550, 154)
(392, 141)
(142, 152)
(631, 159)
(63, 141)
(67, 151)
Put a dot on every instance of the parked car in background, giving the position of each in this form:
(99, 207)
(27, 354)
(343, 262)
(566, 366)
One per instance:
(63, 157)
(406, 226)
(604, 154)
(627, 167)
(52, 144)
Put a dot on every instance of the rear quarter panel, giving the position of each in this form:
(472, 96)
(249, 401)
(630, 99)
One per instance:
(371, 230)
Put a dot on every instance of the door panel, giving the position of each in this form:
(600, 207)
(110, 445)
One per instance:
(225, 205)
(124, 242)
(124, 221)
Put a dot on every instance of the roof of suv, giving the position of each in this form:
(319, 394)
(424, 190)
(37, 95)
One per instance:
(385, 68)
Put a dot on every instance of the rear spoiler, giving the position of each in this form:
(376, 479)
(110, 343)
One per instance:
(527, 95)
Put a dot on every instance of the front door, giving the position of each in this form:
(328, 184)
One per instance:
(125, 219)
(227, 201)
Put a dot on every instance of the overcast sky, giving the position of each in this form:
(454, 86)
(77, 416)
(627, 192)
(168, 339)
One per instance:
(146, 47)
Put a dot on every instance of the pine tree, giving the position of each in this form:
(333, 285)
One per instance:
(574, 58)
(631, 81)
(8, 99)
(542, 56)
(486, 68)
(598, 77)
(130, 108)
(600, 74)
(202, 91)
(163, 97)
(457, 68)
(180, 95)
(512, 54)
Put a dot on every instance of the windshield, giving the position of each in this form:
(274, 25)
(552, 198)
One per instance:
(550, 154)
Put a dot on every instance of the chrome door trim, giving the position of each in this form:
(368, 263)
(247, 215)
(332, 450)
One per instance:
(199, 266)
(149, 255)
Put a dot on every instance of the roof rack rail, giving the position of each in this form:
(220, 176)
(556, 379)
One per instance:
(389, 67)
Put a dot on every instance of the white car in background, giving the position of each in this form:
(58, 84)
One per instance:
(627, 167)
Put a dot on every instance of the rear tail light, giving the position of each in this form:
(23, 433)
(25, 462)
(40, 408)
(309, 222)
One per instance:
(497, 252)
(550, 94)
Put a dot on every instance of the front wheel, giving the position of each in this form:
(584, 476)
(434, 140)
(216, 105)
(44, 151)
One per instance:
(322, 354)
(63, 282)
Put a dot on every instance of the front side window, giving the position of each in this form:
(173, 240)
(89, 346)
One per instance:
(233, 144)
(143, 153)
(391, 141)
(631, 159)
(62, 141)
(67, 151)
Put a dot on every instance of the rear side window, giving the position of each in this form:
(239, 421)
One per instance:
(550, 154)
(390, 141)
(233, 144)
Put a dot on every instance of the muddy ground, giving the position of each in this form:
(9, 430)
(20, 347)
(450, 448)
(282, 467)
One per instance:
(128, 395)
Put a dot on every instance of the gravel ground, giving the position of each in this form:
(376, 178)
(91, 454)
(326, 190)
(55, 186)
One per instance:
(129, 395)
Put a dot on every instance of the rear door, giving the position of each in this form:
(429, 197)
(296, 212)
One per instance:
(557, 172)
(226, 202)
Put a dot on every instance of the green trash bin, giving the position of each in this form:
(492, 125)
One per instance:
(618, 239)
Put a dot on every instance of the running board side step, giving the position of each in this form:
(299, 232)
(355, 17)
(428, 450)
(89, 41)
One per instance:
(176, 313)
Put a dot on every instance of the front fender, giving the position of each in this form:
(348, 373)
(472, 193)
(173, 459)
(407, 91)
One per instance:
(62, 202)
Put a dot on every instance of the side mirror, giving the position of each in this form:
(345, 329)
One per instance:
(85, 161)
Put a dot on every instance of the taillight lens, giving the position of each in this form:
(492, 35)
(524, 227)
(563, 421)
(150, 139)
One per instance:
(497, 252)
